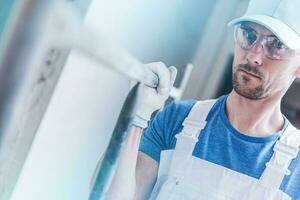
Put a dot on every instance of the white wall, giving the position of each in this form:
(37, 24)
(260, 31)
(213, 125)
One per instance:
(77, 124)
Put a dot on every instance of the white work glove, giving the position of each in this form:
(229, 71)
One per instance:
(152, 99)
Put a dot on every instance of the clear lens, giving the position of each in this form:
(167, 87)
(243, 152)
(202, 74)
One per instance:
(276, 49)
(246, 38)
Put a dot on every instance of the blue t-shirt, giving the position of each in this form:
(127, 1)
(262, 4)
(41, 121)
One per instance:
(219, 143)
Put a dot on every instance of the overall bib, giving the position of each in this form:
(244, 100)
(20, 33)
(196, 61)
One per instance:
(182, 176)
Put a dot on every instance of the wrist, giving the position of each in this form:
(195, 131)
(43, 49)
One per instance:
(145, 111)
(140, 121)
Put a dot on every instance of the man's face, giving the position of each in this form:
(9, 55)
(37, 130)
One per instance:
(256, 76)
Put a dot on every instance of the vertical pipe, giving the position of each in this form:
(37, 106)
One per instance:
(111, 155)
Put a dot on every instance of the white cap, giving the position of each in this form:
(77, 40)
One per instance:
(282, 17)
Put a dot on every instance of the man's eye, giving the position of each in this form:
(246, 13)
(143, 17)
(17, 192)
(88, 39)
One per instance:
(277, 44)
(250, 36)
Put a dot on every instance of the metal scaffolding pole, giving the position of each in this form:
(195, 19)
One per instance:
(108, 165)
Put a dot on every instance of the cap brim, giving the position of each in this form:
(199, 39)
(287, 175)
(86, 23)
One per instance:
(288, 36)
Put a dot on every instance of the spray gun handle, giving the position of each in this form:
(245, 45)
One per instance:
(150, 79)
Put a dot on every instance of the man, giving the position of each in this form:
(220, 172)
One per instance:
(239, 146)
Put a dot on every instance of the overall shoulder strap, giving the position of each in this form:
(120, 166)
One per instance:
(196, 120)
(188, 137)
(285, 150)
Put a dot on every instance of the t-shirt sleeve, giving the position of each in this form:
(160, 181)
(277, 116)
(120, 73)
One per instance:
(160, 134)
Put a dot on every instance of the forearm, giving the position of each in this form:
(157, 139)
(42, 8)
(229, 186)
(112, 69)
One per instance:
(149, 100)
(124, 182)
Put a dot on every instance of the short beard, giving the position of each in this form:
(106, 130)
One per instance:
(254, 94)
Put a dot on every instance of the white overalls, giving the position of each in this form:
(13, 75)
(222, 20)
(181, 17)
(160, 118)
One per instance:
(185, 177)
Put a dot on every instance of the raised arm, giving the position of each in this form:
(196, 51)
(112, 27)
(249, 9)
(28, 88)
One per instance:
(146, 174)
(136, 172)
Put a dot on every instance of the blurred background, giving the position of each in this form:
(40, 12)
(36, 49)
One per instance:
(66, 114)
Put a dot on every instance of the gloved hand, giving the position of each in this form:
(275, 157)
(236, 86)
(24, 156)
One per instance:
(152, 99)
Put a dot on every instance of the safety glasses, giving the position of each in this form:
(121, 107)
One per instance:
(246, 37)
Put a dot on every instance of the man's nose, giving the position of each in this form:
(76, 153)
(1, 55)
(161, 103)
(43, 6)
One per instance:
(255, 55)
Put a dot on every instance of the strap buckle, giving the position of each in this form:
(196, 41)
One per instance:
(191, 127)
(278, 169)
(285, 149)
